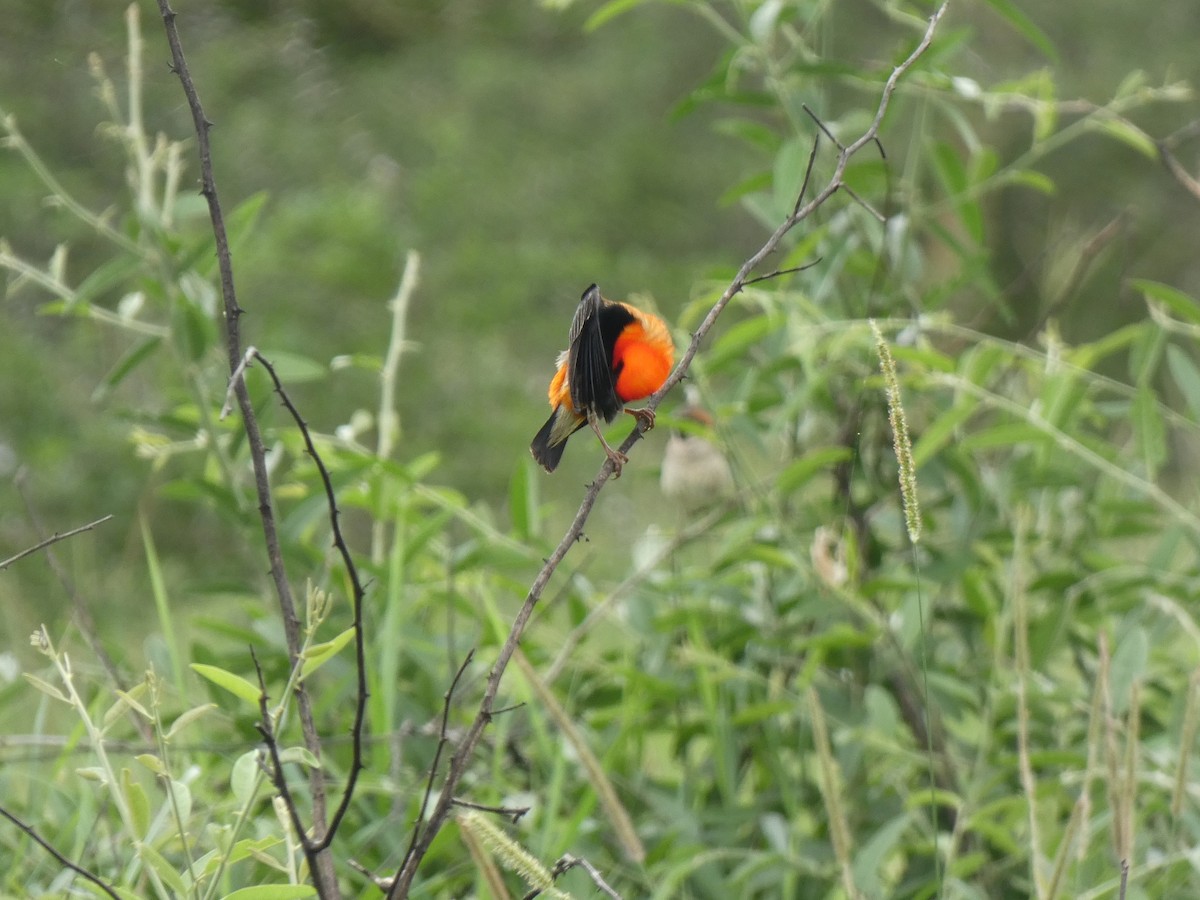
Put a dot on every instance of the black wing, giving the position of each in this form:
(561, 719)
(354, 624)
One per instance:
(594, 332)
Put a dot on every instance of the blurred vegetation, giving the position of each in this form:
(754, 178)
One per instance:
(782, 697)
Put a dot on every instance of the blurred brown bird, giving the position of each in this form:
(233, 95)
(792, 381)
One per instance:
(695, 473)
(615, 353)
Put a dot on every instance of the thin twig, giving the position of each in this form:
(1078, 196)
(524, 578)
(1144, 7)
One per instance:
(507, 709)
(462, 754)
(779, 273)
(384, 884)
(1166, 154)
(876, 214)
(808, 170)
(565, 864)
(324, 877)
(513, 812)
(49, 848)
(54, 539)
(419, 831)
(267, 729)
(824, 128)
(358, 593)
(83, 612)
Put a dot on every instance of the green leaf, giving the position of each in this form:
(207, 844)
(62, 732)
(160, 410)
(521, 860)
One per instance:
(294, 368)
(610, 11)
(45, 687)
(242, 220)
(938, 433)
(193, 319)
(763, 20)
(152, 762)
(1185, 308)
(1186, 377)
(162, 868)
(301, 755)
(1128, 665)
(244, 777)
(1008, 434)
(1148, 428)
(106, 277)
(800, 472)
(1146, 352)
(1043, 184)
(871, 859)
(187, 718)
(235, 684)
(1127, 133)
(979, 362)
(130, 700)
(1085, 356)
(319, 654)
(923, 358)
(1061, 396)
(137, 802)
(523, 502)
(751, 131)
(180, 800)
(757, 182)
(734, 343)
(272, 892)
(126, 365)
(249, 847)
(1025, 27)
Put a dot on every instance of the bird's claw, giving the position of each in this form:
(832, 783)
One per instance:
(645, 418)
(617, 458)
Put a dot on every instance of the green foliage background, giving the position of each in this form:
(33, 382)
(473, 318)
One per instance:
(779, 698)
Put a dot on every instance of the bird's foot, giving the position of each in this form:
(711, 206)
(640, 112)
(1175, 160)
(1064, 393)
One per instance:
(645, 418)
(617, 458)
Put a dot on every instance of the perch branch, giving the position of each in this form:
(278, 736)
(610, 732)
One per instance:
(462, 754)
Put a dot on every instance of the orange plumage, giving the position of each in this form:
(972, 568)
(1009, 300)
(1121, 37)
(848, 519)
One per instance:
(615, 354)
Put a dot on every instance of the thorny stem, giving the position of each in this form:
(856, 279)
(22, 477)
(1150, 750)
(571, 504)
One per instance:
(323, 876)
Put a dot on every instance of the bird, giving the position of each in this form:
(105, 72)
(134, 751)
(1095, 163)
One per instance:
(695, 473)
(616, 353)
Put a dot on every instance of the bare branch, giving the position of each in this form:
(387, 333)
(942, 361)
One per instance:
(876, 214)
(323, 875)
(339, 541)
(779, 273)
(53, 539)
(808, 170)
(1178, 172)
(565, 864)
(50, 848)
(420, 827)
(275, 772)
(462, 754)
(514, 813)
(83, 612)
